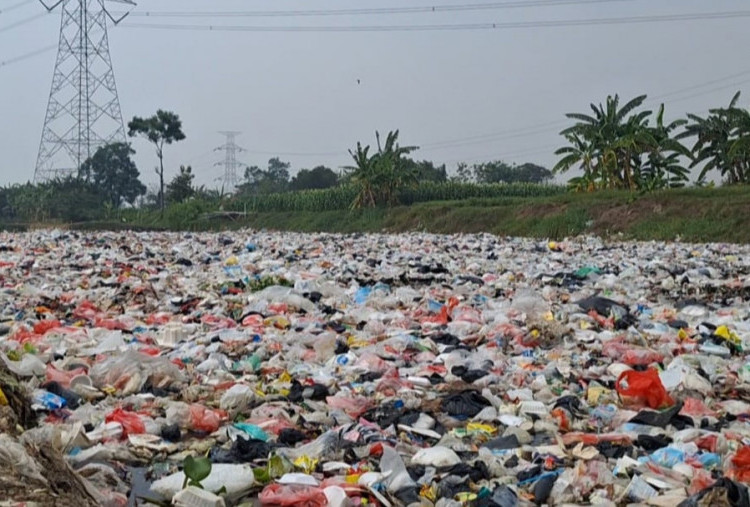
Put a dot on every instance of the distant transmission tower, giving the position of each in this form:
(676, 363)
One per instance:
(83, 112)
(230, 179)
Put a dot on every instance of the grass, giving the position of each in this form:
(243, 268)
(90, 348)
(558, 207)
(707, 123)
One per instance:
(691, 214)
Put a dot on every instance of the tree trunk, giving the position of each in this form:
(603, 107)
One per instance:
(161, 183)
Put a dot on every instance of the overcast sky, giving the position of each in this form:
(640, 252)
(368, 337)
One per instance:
(461, 95)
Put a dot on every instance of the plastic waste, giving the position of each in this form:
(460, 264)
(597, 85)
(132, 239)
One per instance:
(131, 423)
(193, 497)
(236, 479)
(644, 387)
(293, 494)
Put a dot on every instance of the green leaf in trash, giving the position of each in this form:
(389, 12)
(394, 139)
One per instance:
(196, 470)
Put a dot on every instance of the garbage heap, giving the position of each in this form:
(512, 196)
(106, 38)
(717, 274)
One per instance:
(261, 368)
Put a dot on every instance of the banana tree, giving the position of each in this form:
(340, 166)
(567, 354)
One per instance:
(379, 177)
(722, 142)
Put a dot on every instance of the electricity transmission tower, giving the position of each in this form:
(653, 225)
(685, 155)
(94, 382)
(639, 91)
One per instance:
(230, 179)
(83, 112)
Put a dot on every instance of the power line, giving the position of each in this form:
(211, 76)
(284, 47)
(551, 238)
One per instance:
(375, 11)
(26, 56)
(453, 27)
(15, 6)
(22, 22)
(551, 126)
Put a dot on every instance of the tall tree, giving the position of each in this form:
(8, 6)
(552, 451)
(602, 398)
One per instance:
(278, 173)
(181, 187)
(111, 170)
(163, 128)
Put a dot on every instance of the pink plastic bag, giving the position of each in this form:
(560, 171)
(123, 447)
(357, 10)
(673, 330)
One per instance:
(63, 377)
(353, 407)
(297, 495)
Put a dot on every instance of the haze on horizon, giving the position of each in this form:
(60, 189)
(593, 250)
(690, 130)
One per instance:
(461, 95)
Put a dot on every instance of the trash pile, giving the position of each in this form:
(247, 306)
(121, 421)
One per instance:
(260, 368)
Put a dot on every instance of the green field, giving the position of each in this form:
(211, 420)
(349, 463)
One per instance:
(695, 214)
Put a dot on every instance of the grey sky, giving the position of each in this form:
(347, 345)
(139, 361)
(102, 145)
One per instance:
(298, 92)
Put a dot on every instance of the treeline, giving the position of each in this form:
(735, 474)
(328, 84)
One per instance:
(629, 147)
(624, 147)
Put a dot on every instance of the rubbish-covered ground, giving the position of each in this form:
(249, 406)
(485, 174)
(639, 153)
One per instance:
(290, 369)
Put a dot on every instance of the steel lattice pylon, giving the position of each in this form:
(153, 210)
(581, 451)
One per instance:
(83, 112)
(230, 179)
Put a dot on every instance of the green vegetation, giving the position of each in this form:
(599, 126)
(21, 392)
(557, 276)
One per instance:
(690, 214)
(723, 142)
(195, 469)
(380, 177)
(616, 148)
(635, 178)
(163, 128)
(114, 174)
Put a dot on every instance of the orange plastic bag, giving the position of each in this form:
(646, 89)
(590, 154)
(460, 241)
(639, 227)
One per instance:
(131, 422)
(644, 387)
(293, 495)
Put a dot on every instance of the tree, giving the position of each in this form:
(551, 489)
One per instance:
(531, 173)
(278, 173)
(609, 147)
(317, 178)
(426, 170)
(274, 179)
(381, 175)
(493, 172)
(463, 174)
(163, 128)
(114, 174)
(663, 166)
(181, 187)
(722, 142)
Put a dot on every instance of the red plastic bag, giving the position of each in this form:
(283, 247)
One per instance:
(131, 422)
(204, 419)
(43, 326)
(644, 387)
(86, 311)
(740, 470)
(297, 495)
